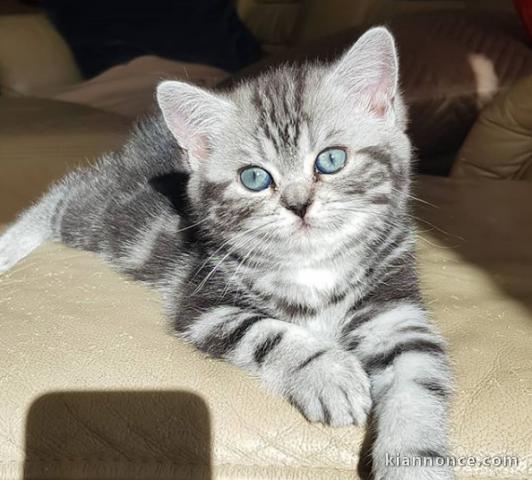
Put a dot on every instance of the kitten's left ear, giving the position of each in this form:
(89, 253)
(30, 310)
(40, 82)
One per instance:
(370, 70)
(194, 116)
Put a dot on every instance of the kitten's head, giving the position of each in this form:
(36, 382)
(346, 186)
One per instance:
(302, 158)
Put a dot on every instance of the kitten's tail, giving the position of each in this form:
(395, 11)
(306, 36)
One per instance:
(32, 228)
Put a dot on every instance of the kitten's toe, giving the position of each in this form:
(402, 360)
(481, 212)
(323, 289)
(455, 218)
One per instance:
(333, 390)
(358, 403)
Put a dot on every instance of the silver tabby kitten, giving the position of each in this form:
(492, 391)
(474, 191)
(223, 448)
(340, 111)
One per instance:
(274, 220)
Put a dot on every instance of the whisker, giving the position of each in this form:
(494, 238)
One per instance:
(406, 215)
(231, 250)
(227, 242)
(195, 224)
(267, 235)
(417, 199)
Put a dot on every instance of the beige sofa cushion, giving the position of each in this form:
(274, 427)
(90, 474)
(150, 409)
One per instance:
(92, 384)
(41, 140)
(33, 56)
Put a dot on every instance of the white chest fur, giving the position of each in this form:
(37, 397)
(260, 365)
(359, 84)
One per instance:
(303, 285)
(318, 279)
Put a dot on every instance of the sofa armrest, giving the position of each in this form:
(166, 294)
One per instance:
(500, 143)
(41, 140)
(34, 58)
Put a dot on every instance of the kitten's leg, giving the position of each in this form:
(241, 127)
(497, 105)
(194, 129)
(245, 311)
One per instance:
(410, 382)
(33, 227)
(324, 382)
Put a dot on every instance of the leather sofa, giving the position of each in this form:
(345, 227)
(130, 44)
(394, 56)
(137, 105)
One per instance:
(93, 384)
(500, 145)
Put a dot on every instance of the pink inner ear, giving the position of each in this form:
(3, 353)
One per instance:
(192, 143)
(199, 147)
(369, 70)
(381, 103)
(190, 140)
(382, 92)
(379, 99)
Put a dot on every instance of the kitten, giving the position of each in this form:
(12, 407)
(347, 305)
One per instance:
(274, 219)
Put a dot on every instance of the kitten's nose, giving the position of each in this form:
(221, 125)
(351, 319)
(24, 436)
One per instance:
(296, 198)
(299, 209)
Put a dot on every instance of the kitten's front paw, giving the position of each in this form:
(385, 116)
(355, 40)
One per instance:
(330, 387)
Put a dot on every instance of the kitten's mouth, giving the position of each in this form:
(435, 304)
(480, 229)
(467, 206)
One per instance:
(304, 225)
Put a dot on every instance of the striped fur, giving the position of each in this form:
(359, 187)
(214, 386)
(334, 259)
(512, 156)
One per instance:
(326, 312)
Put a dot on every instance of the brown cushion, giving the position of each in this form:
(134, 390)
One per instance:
(500, 143)
(129, 89)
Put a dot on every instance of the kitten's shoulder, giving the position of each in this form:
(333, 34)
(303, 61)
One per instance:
(151, 144)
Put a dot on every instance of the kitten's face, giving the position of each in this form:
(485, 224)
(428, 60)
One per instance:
(304, 159)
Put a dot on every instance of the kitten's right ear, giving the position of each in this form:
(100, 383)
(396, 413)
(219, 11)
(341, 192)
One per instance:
(369, 70)
(194, 116)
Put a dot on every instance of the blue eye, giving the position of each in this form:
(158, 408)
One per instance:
(331, 160)
(255, 178)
